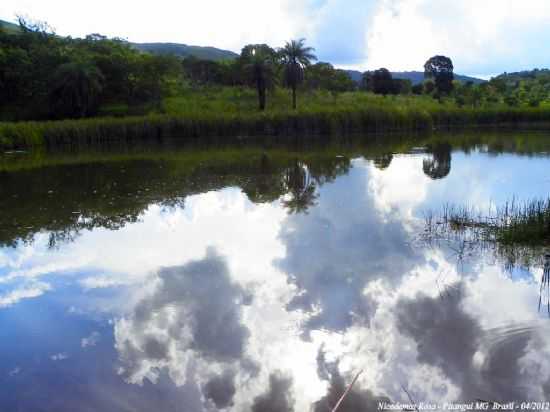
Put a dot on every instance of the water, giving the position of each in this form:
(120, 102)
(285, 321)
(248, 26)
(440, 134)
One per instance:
(265, 277)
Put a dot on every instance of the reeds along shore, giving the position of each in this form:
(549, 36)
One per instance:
(513, 223)
(346, 114)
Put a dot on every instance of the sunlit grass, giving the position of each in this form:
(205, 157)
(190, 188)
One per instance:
(204, 112)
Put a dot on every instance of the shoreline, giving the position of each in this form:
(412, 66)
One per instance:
(158, 127)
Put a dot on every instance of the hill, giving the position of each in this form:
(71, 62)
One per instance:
(414, 77)
(9, 27)
(184, 50)
(526, 75)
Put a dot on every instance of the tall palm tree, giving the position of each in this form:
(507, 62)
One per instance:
(259, 63)
(76, 88)
(295, 56)
(300, 187)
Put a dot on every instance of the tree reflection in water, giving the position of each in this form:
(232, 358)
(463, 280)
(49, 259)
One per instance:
(300, 187)
(439, 165)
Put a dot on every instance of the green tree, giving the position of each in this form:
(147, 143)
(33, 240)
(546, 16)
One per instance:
(417, 89)
(428, 86)
(259, 63)
(440, 69)
(300, 187)
(295, 56)
(382, 82)
(76, 89)
(439, 165)
(323, 76)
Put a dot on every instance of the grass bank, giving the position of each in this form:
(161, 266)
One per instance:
(232, 113)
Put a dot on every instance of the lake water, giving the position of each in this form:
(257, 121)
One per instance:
(264, 277)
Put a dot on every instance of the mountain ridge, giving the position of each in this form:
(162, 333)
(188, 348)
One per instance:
(415, 77)
(9, 27)
(185, 50)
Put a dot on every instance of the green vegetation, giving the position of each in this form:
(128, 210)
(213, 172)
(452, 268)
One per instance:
(184, 50)
(112, 185)
(525, 224)
(56, 90)
(9, 27)
(232, 112)
(295, 57)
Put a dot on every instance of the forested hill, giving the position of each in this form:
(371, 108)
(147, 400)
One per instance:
(526, 75)
(183, 50)
(176, 49)
(9, 27)
(414, 77)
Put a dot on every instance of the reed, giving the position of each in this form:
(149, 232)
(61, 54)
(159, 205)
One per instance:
(231, 112)
(512, 223)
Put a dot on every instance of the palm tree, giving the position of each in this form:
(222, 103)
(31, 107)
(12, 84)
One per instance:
(259, 63)
(300, 187)
(295, 56)
(75, 89)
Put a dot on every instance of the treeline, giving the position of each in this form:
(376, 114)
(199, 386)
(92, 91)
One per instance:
(522, 89)
(44, 76)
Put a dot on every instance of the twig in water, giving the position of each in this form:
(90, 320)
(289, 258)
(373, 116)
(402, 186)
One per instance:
(411, 400)
(346, 392)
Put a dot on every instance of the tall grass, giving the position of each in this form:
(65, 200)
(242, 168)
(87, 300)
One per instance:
(224, 112)
(512, 223)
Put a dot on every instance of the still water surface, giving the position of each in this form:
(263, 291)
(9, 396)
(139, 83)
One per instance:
(264, 278)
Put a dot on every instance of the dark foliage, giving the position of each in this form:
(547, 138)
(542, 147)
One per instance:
(440, 69)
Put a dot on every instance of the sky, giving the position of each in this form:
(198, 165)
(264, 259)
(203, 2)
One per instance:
(483, 37)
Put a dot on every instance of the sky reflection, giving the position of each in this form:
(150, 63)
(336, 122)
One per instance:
(220, 303)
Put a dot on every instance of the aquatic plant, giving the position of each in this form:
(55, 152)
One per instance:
(512, 223)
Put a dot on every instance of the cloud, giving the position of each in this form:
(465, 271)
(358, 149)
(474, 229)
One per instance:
(24, 292)
(494, 364)
(356, 400)
(194, 313)
(90, 340)
(339, 31)
(228, 25)
(14, 371)
(484, 38)
(278, 398)
(341, 246)
(221, 389)
(59, 357)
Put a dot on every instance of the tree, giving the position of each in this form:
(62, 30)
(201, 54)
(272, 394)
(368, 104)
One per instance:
(259, 63)
(402, 86)
(428, 86)
(76, 89)
(382, 162)
(301, 189)
(439, 165)
(295, 58)
(323, 76)
(379, 82)
(440, 69)
(417, 89)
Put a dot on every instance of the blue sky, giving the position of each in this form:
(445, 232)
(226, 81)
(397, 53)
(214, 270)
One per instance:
(483, 37)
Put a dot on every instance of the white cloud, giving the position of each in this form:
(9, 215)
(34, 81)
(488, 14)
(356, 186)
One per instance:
(23, 292)
(481, 37)
(90, 340)
(485, 37)
(59, 356)
(225, 24)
